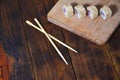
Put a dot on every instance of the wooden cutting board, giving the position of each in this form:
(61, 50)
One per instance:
(97, 30)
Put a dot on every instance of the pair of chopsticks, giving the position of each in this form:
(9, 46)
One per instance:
(50, 37)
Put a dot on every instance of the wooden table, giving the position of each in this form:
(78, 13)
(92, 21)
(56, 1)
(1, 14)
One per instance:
(34, 58)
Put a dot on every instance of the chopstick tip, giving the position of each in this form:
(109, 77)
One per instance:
(26, 21)
(66, 62)
(35, 18)
(76, 51)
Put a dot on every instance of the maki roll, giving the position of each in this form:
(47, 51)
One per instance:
(80, 11)
(92, 12)
(105, 12)
(68, 10)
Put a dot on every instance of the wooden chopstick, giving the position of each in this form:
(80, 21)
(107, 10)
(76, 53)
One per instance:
(51, 41)
(65, 45)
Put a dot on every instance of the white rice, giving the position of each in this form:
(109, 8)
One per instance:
(92, 12)
(105, 12)
(68, 10)
(80, 11)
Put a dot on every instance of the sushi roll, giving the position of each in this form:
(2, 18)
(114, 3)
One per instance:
(80, 11)
(68, 10)
(92, 12)
(105, 12)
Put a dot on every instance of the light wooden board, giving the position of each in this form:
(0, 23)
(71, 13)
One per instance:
(97, 30)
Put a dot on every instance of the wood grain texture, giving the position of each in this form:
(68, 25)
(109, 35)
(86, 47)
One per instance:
(13, 40)
(92, 62)
(114, 49)
(6, 64)
(32, 56)
(97, 30)
(4, 70)
(47, 63)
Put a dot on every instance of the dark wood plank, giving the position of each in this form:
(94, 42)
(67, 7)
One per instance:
(48, 5)
(92, 62)
(114, 49)
(14, 41)
(47, 63)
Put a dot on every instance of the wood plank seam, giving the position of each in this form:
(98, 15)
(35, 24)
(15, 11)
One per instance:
(112, 60)
(27, 42)
(10, 14)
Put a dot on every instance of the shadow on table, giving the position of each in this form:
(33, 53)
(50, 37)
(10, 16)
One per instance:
(114, 9)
